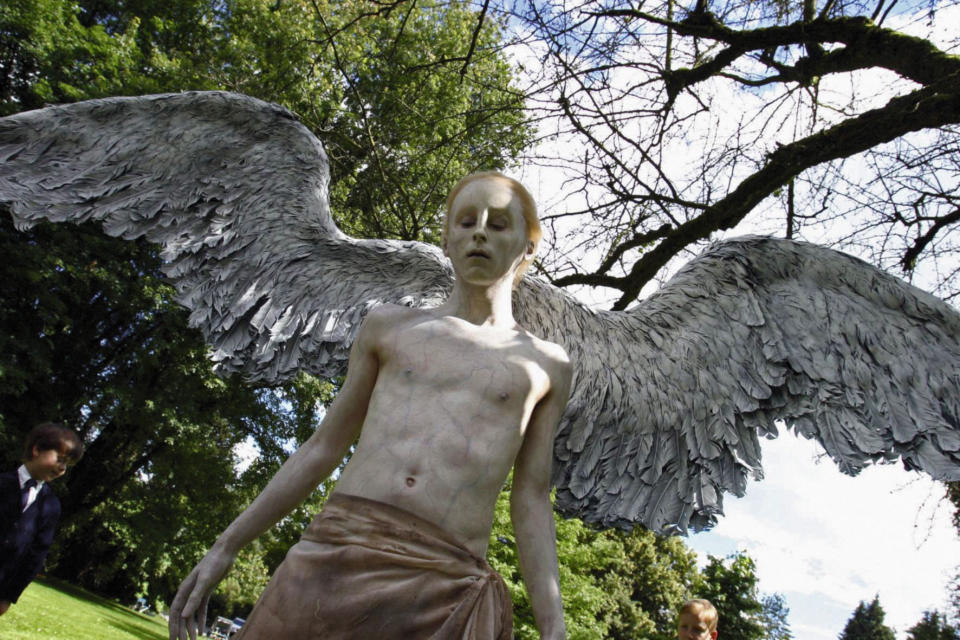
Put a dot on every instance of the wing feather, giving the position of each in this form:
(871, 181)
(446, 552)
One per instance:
(234, 190)
(754, 331)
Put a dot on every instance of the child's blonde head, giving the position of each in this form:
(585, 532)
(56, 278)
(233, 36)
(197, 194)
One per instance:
(702, 609)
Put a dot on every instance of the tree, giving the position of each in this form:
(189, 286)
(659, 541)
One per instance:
(425, 97)
(932, 626)
(774, 617)
(731, 585)
(615, 584)
(47, 55)
(679, 120)
(952, 494)
(866, 623)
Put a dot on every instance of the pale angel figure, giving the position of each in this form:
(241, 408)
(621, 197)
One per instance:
(668, 399)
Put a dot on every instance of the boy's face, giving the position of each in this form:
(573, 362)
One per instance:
(486, 235)
(47, 465)
(693, 626)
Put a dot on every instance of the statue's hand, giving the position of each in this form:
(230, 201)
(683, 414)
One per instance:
(188, 612)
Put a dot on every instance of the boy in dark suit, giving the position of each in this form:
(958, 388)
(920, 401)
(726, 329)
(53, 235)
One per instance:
(29, 510)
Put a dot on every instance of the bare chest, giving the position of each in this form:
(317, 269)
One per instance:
(497, 370)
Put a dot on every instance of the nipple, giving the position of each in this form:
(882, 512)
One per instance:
(411, 481)
(504, 395)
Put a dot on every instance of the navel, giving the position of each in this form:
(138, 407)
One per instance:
(411, 481)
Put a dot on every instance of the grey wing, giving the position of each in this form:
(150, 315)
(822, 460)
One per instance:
(234, 190)
(672, 396)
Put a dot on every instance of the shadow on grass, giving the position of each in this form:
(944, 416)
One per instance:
(81, 594)
(136, 630)
(114, 607)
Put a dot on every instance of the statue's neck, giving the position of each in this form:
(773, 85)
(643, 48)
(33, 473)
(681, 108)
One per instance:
(490, 305)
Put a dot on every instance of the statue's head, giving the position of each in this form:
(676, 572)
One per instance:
(528, 209)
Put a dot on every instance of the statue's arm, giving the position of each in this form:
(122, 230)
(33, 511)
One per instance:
(531, 511)
(314, 461)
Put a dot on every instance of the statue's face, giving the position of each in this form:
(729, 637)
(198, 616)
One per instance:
(487, 237)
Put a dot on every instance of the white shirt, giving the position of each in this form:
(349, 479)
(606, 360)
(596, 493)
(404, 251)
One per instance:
(34, 491)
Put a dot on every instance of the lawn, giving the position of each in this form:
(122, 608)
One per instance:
(53, 610)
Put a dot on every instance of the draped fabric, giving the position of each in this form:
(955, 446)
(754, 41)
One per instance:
(365, 569)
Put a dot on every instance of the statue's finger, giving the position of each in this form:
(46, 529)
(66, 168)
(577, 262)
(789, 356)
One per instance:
(184, 609)
(181, 628)
(175, 621)
(202, 612)
(176, 607)
(191, 609)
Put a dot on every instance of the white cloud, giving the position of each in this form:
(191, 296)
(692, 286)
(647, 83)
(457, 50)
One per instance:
(827, 541)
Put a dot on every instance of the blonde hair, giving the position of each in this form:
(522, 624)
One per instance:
(702, 608)
(527, 206)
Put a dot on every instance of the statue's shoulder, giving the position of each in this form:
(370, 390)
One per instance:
(393, 317)
(551, 355)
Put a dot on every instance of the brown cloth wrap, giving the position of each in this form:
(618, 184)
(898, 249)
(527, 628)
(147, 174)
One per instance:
(365, 569)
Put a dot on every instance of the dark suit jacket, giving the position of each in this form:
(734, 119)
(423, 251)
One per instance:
(25, 537)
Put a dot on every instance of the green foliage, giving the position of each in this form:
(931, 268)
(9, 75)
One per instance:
(579, 553)
(409, 117)
(48, 56)
(239, 590)
(615, 584)
(774, 617)
(933, 626)
(627, 585)
(731, 585)
(866, 623)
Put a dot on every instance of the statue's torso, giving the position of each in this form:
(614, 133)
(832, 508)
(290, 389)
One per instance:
(446, 420)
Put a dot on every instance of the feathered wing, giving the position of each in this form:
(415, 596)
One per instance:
(668, 399)
(234, 190)
(671, 396)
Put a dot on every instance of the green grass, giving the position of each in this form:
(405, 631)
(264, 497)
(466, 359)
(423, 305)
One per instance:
(54, 610)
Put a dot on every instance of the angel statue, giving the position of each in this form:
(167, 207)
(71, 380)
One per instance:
(460, 371)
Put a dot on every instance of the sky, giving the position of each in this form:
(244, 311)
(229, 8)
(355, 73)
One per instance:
(824, 540)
